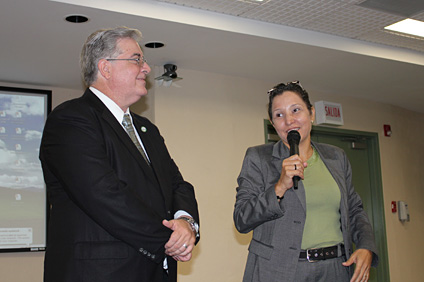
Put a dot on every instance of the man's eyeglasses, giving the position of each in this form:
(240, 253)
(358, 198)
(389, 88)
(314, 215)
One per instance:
(139, 61)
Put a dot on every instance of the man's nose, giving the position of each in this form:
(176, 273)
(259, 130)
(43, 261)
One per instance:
(146, 68)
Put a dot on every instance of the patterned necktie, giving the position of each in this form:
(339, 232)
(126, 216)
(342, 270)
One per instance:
(130, 130)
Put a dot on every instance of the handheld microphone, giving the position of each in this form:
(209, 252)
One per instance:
(293, 138)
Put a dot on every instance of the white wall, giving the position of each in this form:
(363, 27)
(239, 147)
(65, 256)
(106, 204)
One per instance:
(208, 121)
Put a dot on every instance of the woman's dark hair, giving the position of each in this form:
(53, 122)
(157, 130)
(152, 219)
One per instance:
(290, 86)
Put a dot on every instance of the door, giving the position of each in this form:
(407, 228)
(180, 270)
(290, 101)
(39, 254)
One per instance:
(363, 153)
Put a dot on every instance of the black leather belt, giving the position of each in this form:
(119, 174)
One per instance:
(322, 253)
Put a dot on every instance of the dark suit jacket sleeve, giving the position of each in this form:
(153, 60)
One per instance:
(81, 155)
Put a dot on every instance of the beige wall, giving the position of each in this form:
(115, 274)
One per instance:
(208, 121)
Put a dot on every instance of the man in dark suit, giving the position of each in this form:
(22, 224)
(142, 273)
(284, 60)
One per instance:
(120, 209)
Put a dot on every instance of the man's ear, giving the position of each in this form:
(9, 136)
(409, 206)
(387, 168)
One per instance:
(104, 68)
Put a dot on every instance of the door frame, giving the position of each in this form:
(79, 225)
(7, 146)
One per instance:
(379, 222)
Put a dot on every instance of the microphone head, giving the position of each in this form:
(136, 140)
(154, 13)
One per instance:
(293, 136)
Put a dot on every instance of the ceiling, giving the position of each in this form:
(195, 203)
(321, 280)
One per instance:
(335, 46)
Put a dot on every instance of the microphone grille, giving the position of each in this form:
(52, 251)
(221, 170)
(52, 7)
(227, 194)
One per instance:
(293, 136)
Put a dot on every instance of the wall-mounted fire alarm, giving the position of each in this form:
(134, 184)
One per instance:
(387, 130)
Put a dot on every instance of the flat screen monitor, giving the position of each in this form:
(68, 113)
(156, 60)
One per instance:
(23, 203)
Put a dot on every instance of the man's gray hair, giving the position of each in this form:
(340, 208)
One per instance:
(102, 44)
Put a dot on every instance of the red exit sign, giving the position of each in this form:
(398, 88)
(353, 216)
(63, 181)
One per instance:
(332, 111)
(328, 113)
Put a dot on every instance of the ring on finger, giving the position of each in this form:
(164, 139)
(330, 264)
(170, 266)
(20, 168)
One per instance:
(185, 245)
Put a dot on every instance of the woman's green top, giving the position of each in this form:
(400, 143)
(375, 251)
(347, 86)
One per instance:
(322, 226)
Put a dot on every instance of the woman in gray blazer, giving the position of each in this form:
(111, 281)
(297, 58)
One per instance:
(302, 234)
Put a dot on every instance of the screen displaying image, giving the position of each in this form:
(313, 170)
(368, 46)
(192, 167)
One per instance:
(23, 113)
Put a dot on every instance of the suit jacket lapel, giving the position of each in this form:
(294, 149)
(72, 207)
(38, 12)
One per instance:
(120, 131)
(150, 149)
(130, 145)
(152, 152)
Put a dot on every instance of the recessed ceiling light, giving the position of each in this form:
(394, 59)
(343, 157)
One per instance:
(154, 44)
(408, 26)
(76, 19)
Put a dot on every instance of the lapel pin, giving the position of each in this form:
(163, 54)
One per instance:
(143, 129)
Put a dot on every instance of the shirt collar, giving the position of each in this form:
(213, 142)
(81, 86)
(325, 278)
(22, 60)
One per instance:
(117, 112)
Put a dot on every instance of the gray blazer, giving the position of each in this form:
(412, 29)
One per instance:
(278, 226)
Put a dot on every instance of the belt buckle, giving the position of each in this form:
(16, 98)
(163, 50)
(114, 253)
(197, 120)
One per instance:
(308, 256)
